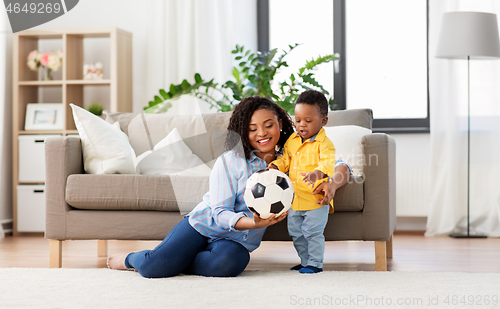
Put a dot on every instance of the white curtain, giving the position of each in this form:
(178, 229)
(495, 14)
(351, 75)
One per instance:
(188, 37)
(448, 114)
(195, 36)
(5, 122)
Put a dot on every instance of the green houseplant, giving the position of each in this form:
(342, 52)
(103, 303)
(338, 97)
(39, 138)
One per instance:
(96, 108)
(253, 75)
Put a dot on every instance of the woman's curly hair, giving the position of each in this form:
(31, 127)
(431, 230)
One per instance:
(240, 123)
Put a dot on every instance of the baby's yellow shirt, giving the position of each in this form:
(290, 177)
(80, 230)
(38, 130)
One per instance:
(298, 157)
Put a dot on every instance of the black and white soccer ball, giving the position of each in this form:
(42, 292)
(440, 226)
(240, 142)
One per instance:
(268, 192)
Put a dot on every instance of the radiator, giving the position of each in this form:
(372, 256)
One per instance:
(412, 190)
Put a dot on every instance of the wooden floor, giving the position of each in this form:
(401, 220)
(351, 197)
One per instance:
(412, 252)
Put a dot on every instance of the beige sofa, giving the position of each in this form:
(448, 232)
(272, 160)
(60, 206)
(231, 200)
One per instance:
(138, 207)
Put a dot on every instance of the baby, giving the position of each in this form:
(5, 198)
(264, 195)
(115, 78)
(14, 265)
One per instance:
(309, 157)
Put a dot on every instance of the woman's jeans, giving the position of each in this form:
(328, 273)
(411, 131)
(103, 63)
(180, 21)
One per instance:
(184, 250)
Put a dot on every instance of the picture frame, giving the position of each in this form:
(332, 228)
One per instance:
(44, 116)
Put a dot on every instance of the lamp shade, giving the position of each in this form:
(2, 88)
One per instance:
(469, 34)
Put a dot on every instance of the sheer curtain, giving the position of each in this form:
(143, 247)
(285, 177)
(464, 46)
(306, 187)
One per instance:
(5, 122)
(448, 105)
(188, 37)
(195, 36)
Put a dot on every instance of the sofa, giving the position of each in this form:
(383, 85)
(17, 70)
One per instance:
(81, 206)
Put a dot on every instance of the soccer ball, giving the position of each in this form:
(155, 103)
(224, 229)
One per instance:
(268, 192)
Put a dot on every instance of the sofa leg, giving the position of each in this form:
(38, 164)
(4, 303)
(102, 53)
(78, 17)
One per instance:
(388, 246)
(55, 252)
(380, 256)
(102, 248)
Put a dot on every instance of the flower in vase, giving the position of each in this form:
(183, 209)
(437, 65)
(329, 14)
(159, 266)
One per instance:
(54, 62)
(44, 59)
(49, 62)
(34, 56)
(33, 65)
(34, 60)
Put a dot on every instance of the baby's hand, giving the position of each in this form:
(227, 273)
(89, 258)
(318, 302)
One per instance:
(310, 178)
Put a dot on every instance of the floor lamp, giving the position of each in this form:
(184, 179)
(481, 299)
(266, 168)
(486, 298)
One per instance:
(468, 35)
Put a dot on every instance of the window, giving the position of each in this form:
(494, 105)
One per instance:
(383, 50)
(288, 26)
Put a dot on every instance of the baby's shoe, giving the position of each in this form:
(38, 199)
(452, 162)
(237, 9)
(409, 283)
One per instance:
(310, 270)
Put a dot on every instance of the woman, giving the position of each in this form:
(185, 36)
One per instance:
(216, 237)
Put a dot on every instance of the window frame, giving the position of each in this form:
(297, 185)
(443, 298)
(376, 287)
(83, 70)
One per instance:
(387, 125)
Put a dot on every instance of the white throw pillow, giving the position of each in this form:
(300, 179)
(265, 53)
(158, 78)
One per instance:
(348, 147)
(171, 156)
(106, 149)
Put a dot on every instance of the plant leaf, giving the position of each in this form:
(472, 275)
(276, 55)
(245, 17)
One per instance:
(270, 56)
(185, 86)
(198, 79)
(172, 91)
(164, 94)
(236, 74)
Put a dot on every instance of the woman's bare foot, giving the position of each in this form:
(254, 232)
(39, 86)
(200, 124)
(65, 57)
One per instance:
(117, 261)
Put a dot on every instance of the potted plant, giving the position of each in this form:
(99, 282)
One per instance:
(253, 75)
(96, 109)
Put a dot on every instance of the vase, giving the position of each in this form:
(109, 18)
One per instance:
(46, 73)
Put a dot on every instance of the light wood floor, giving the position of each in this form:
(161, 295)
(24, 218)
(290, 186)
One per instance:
(412, 252)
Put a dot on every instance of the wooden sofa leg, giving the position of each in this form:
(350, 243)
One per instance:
(380, 256)
(102, 248)
(55, 252)
(388, 245)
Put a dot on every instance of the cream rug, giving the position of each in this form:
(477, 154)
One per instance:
(104, 288)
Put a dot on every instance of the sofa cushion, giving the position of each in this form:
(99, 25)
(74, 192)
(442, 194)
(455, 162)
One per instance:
(171, 156)
(105, 147)
(135, 192)
(166, 193)
(146, 130)
(355, 117)
(348, 145)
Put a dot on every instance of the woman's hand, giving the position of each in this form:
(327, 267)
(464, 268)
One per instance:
(340, 178)
(329, 192)
(247, 223)
(273, 219)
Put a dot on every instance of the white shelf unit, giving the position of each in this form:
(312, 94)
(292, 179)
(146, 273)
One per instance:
(112, 44)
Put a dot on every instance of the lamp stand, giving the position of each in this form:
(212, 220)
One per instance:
(468, 235)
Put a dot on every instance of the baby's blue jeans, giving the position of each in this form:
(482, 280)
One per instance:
(306, 229)
(184, 250)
